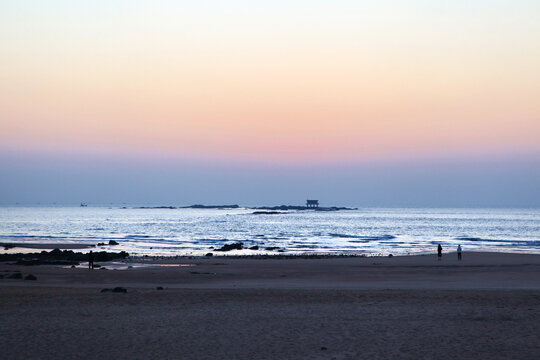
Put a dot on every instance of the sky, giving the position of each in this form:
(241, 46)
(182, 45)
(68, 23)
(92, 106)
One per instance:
(375, 103)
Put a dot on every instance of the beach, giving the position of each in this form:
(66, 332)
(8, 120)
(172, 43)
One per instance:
(486, 306)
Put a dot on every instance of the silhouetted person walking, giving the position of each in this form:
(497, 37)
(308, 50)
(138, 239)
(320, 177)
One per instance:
(90, 260)
(439, 252)
(459, 252)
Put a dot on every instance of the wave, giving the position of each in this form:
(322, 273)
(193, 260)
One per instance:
(309, 246)
(363, 237)
(58, 239)
(510, 242)
(211, 241)
(52, 237)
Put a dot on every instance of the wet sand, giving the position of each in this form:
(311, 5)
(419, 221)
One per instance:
(484, 307)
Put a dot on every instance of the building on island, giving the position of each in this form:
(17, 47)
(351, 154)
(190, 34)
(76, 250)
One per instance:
(312, 203)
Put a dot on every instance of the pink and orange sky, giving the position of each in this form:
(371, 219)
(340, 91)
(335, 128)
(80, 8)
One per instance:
(270, 82)
(278, 81)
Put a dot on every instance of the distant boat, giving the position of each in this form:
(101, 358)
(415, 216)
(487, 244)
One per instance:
(83, 205)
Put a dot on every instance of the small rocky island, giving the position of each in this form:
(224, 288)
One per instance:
(310, 205)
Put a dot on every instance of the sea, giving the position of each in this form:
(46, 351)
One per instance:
(187, 231)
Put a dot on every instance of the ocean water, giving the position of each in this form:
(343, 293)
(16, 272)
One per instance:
(367, 231)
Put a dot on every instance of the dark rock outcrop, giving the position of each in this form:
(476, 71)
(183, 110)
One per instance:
(59, 257)
(155, 207)
(229, 247)
(199, 206)
(296, 207)
(37, 261)
(117, 289)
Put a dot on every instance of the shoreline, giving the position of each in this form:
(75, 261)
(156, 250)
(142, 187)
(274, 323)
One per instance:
(476, 271)
(27, 249)
(34, 248)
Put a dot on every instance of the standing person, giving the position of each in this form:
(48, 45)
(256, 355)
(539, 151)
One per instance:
(439, 252)
(90, 260)
(459, 252)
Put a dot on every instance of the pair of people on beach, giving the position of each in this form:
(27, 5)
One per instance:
(439, 252)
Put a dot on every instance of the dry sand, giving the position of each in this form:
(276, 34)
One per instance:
(485, 307)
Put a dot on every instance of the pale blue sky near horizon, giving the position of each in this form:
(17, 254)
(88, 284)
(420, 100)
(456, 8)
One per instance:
(45, 179)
